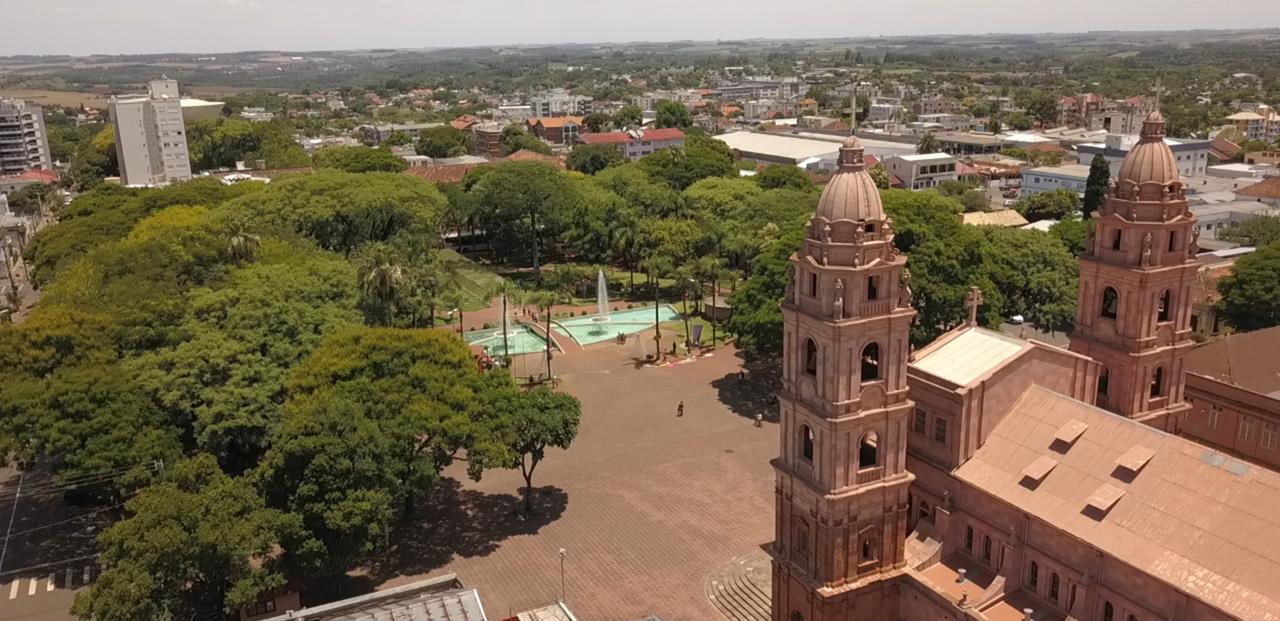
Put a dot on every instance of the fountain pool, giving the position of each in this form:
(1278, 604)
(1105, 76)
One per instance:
(603, 327)
(521, 339)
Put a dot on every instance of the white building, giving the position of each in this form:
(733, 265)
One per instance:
(151, 141)
(257, 115)
(1072, 177)
(1192, 155)
(765, 148)
(921, 171)
(24, 144)
(1241, 171)
(1212, 218)
(559, 102)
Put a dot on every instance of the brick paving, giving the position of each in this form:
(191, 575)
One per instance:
(647, 505)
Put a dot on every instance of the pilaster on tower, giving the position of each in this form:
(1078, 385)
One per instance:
(841, 471)
(1136, 278)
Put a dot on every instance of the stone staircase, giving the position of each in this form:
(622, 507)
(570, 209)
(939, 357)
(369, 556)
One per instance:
(741, 590)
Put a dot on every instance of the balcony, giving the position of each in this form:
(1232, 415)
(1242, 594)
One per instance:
(873, 307)
(869, 475)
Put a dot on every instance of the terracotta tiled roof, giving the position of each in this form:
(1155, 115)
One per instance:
(1268, 188)
(1198, 520)
(1043, 147)
(1004, 217)
(605, 138)
(664, 133)
(1248, 360)
(836, 125)
(464, 121)
(556, 121)
(1206, 287)
(1224, 149)
(39, 176)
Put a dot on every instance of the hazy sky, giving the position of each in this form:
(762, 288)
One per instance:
(143, 26)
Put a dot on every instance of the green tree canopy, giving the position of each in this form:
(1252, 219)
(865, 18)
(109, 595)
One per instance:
(1095, 191)
(1054, 205)
(780, 176)
(1251, 294)
(526, 203)
(221, 142)
(1255, 231)
(628, 116)
(359, 160)
(672, 114)
(532, 422)
(928, 144)
(442, 141)
(590, 159)
(701, 157)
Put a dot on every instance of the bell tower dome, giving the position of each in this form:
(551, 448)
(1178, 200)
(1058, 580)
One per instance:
(841, 490)
(1136, 278)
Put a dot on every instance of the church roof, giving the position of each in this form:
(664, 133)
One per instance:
(1151, 159)
(852, 193)
(971, 354)
(1201, 521)
(1247, 360)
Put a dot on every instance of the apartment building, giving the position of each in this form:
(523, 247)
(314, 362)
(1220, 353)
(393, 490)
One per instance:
(1262, 123)
(559, 131)
(559, 103)
(922, 171)
(1074, 177)
(1121, 116)
(636, 144)
(486, 139)
(1192, 156)
(24, 144)
(151, 141)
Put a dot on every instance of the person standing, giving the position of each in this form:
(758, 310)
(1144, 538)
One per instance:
(680, 409)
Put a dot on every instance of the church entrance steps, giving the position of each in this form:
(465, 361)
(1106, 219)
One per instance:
(741, 589)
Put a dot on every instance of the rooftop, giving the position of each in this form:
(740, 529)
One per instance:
(969, 355)
(1065, 170)
(1246, 360)
(433, 599)
(926, 157)
(1200, 521)
(1003, 217)
(968, 138)
(1267, 188)
(776, 145)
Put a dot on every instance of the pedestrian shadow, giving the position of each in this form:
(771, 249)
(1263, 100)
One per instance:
(463, 523)
(755, 393)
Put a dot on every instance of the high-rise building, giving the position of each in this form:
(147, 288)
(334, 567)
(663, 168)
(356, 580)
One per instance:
(151, 141)
(24, 145)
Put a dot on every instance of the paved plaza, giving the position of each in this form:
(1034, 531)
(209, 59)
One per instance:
(647, 505)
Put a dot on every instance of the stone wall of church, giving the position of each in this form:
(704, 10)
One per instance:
(1233, 420)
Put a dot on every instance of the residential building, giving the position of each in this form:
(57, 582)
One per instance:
(1263, 157)
(1121, 116)
(1234, 393)
(1214, 217)
(559, 131)
(1072, 177)
(375, 134)
(486, 139)
(151, 141)
(1190, 156)
(257, 115)
(1075, 111)
(636, 143)
(24, 143)
(1265, 191)
(922, 171)
(559, 103)
(964, 143)
(933, 105)
(12, 183)
(947, 121)
(766, 108)
(1262, 123)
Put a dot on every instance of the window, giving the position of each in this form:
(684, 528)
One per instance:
(1268, 436)
(1215, 412)
(1163, 309)
(968, 538)
(1033, 579)
(1117, 236)
(920, 423)
(806, 437)
(871, 363)
(873, 287)
(867, 450)
(813, 285)
(795, 616)
(810, 357)
(940, 430)
(1173, 241)
(868, 549)
(1104, 383)
(986, 549)
(1246, 429)
(1132, 618)
(924, 512)
(1053, 586)
(1108, 612)
(1157, 382)
(1110, 303)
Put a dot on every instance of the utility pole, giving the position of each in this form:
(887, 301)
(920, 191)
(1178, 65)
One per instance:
(562, 553)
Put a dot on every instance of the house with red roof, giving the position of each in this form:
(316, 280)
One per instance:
(558, 130)
(12, 183)
(636, 144)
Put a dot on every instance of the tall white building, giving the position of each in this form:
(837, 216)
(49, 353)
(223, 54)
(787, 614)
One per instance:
(24, 144)
(151, 141)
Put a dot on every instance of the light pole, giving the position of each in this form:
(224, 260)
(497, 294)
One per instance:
(562, 552)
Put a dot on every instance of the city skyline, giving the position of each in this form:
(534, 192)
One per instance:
(150, 26)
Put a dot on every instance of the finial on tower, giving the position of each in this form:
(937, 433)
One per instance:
(973, 300)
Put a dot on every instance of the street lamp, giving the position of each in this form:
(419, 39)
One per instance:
(562, 553)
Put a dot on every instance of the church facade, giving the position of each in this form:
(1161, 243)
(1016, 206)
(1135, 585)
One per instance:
(991, 477)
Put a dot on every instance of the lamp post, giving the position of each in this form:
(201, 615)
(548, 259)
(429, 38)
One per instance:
(562, 553)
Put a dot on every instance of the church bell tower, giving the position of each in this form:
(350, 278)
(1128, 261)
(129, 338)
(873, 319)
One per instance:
(1136, 277)
(841, 491)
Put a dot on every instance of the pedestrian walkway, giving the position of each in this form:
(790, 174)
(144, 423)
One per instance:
(34, 583)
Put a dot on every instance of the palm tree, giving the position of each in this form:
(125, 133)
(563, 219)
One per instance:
(544, 300)
(711, 270)
(242, 246)
(928, 144)
(384, 281)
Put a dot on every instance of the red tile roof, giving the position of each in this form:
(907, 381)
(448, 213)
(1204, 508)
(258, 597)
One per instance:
(556, 121)
(1269, 188)
(39, 176)
(1247, 360)
(605, 138)
(665, 133)
(464, 121)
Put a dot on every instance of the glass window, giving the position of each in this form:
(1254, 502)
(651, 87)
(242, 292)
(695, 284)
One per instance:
(871, 363)
(921, 421)
(806, 435)
(940, 430)
(810, 357)
(1110, 303)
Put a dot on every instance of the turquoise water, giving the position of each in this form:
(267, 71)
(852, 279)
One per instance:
(587, 330)
(521, 340)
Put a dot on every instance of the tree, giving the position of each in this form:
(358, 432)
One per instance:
(701, 157)
(590, 159)
(1072, 232)
(880, 176)
(596, 121)
(544, 301)
(1020, 121)
(196, 543)
(757, 317)
(397, 138)
(628, 116)
(672, 114)
(359, 160)
(1054, 205)
(221, 142)
(1041, 105)
(928, 144)
(382, 281)
(1251, 294)
(994, 126)
(1256, 231)
(442, 141)
(33, 199)
(784, 176)
(1095, 191)
(242, 246)
(534, 421)
(515, 138)
(526, 203)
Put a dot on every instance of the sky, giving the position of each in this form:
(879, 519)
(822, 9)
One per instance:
(154, 26)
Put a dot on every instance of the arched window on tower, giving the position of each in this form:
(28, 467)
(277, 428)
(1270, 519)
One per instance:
(1163, 310)
(1110, 303)
(1173, 241)
(1054, 584)
(795, 616)
(806, 440)
(868, 450)
(1033, 578)
(1108, 612)
(810, 357)
(986, 548)
(871, 362)
(873, 287)
(1117, 237)
(1157, 382)
(968, 538)
(1104, 385)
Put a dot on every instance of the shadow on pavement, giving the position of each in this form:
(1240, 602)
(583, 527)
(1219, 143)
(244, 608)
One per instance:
(465, 523)
(755, 393)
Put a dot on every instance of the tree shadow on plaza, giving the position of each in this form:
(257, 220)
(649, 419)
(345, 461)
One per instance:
(457, 522)
(754, 393)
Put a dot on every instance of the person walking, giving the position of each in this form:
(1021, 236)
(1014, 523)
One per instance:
(680, 409)
(759, 419)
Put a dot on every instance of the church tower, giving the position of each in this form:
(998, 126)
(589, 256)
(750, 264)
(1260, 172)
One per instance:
(841, 492)
(1136, 277)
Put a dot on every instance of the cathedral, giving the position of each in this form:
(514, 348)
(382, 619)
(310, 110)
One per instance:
(986, 477)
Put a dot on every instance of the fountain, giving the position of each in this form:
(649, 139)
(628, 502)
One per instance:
(602, 304)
